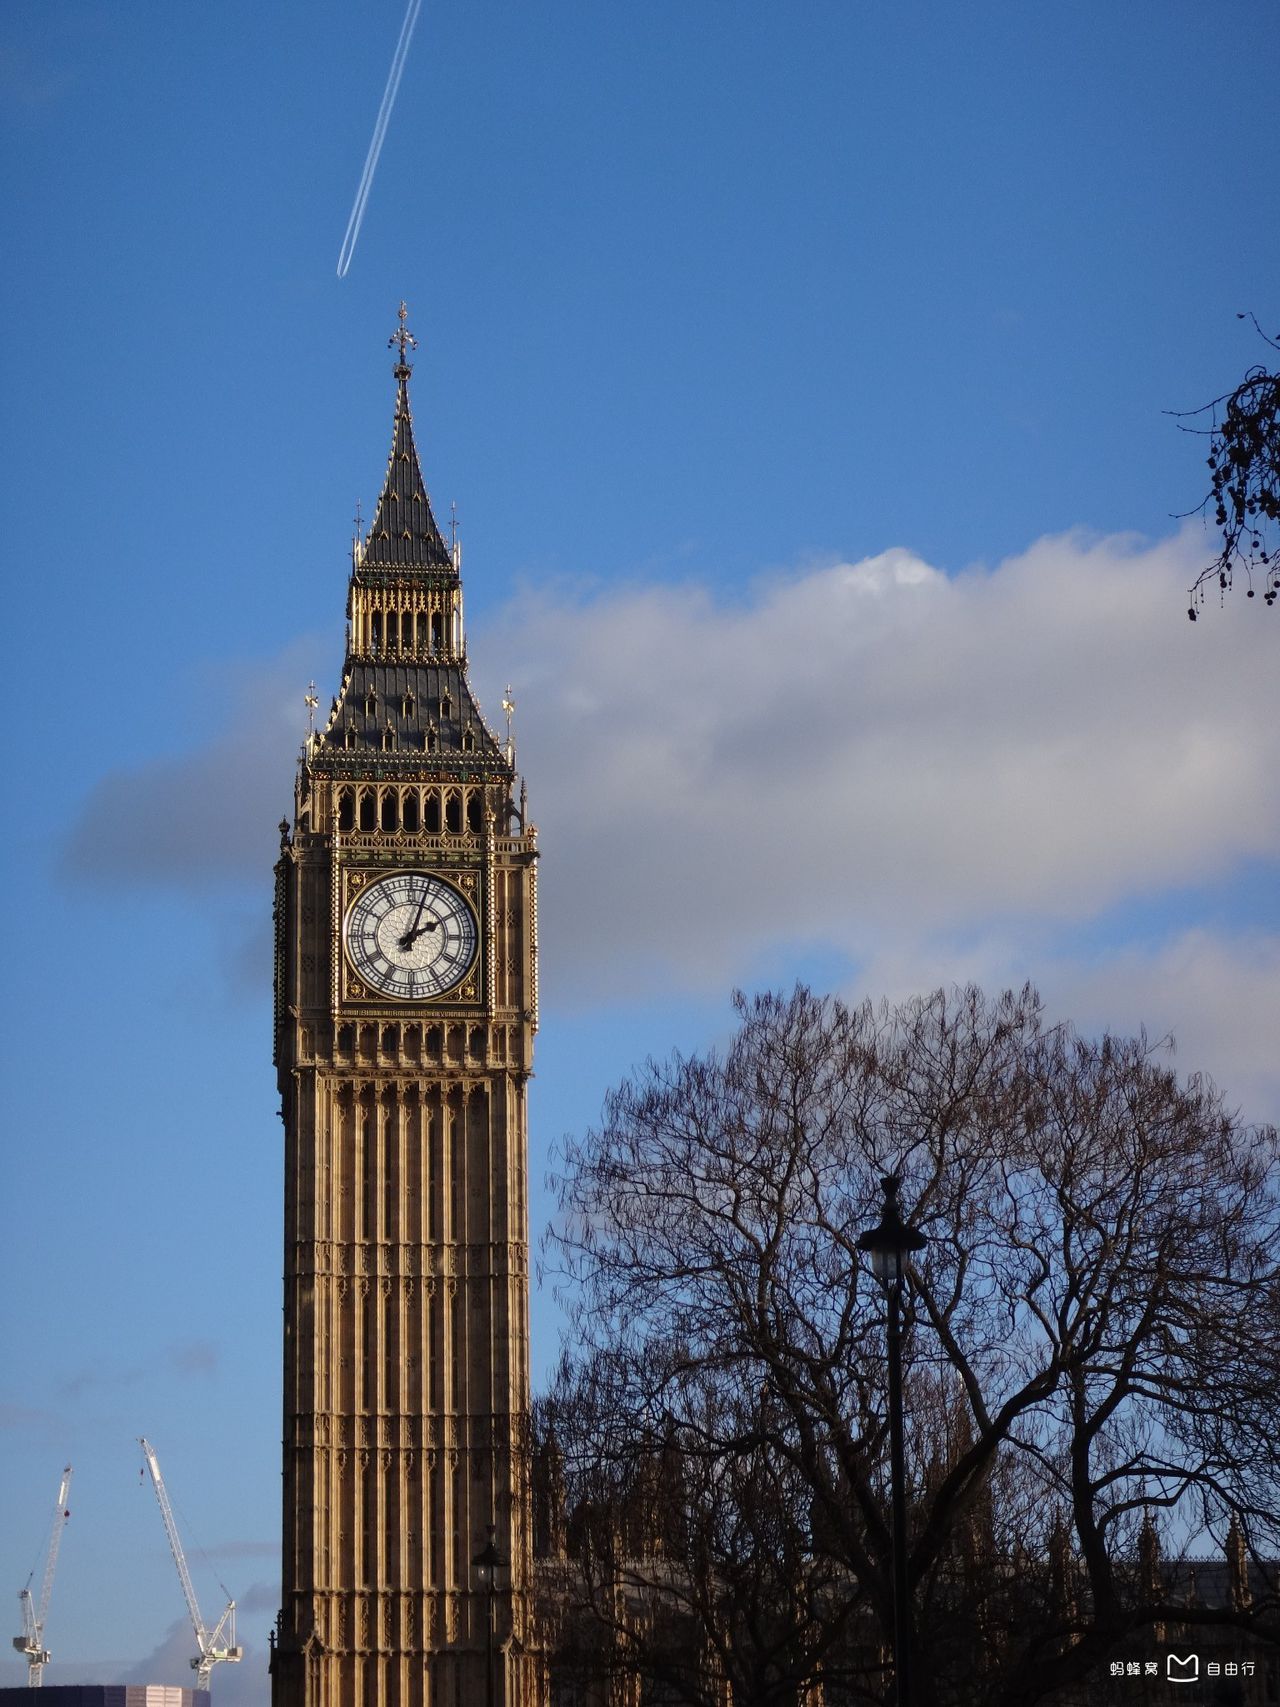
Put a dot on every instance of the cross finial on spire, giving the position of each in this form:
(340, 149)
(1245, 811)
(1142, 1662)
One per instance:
(405, 339)
(509, 706)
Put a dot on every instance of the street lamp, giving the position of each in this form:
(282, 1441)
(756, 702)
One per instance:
(888, 1245)
(486, 1562)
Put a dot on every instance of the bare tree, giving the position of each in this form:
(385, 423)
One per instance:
(1244, 482)
(1092, 1348)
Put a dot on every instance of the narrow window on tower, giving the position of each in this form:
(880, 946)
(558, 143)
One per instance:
(455, 1179)
(455, 1355)
(389, 808)
(409, 813)
(389, 1171)
(371, 704)
(468, 739)
(433, 813)
(368, 1182)
(431, 1176)
(371, 1516)
(446, 708)
(368, 810)
(393, 631)
(375, 629)
(452, 811)
(347, 805)
(408, 705)
(437, 631)
(459, 1556)
(473, 813)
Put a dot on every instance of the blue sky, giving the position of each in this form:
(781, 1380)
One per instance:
(800, 375)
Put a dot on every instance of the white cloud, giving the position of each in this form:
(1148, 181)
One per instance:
(1216, 995)
(208, 816)
(935, 777)
(877, 751)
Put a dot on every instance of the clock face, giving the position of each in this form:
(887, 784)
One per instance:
(410, 936)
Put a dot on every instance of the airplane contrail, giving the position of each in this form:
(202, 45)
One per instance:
(379, 134)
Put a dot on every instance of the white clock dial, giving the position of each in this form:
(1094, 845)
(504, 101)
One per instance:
(410, 936)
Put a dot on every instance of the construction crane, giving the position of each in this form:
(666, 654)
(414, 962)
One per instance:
(31, 1641)
(219, 1643)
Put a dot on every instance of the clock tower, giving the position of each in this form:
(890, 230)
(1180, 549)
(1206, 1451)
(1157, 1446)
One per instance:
(406, 1003)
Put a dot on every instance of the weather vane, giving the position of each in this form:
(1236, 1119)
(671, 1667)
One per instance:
(311, 702)
(404, 337)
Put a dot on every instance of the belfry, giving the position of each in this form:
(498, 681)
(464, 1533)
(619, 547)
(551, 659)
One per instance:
(406, 1003)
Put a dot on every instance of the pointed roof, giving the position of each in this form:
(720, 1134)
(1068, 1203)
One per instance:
(403, 534)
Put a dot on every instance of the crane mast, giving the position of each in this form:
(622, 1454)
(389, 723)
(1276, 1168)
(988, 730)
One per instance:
(213, 1648)
(31, 1641)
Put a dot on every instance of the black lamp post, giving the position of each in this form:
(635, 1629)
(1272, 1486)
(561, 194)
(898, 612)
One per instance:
(888, 1245)
(486, 1562)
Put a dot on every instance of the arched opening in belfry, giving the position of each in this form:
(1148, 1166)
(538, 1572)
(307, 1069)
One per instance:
(452, 811)
(368, 810)
(437, 631)
(409, 817)
(389, 809)
(473, 813)
(432, 813)
(346, 809)
(375, 630)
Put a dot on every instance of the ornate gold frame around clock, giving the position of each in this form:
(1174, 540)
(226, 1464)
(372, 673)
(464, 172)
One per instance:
(352, 992)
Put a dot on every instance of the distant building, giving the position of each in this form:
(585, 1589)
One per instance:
(107, 1695)
(617, 1602)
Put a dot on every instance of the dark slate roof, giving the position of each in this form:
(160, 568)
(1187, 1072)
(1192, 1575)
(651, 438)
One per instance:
(426, 686)
(404, 534)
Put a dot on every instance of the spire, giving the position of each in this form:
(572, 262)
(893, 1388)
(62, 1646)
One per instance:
(403, 534)
(1238, 1589)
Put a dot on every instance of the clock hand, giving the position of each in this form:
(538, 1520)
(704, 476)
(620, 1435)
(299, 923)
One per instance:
(415, 931)
(412, 934)
(417, 917)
